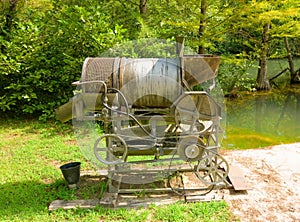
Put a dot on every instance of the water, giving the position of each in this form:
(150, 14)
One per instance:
(274, 67)
(263, 119)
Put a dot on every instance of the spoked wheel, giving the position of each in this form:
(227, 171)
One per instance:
(212, 168)
(110, 149)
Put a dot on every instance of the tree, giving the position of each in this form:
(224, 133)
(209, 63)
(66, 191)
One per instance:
(9, 12)
(143, 7)
(295, 74)
(46, 53)
(262, 76)
(260, 23)
(203, 8)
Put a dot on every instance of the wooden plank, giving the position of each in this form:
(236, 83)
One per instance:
(204, 198)
(136, 202)
(71, 204)
(237, 179)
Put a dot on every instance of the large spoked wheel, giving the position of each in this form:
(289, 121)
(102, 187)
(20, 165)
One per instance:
(110, 149)
(212, 169)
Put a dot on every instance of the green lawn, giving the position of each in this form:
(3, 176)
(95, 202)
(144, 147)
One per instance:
(30, 179)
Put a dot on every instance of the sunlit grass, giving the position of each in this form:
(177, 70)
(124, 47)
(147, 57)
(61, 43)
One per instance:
(31, 153)
(213, 211)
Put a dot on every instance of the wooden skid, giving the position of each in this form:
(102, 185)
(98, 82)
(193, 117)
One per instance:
(110, 200)
(237, 179)
(71, 204)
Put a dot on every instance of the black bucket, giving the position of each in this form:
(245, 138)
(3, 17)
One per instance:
(71, 173)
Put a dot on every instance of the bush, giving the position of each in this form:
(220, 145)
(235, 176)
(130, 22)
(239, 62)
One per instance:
(233, 73)
(46, 52)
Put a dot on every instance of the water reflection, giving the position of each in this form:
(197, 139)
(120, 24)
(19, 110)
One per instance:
(272, 117)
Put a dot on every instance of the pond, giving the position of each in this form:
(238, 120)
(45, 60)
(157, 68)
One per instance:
(262, 119)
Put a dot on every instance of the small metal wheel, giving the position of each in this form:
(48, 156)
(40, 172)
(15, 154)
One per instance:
(110, 149)
(212, 168)
(190, 148)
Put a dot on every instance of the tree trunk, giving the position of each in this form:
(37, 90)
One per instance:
(10, 14)
(295, 78)
(297, 119)
(262, 76)
(202, 26)
(143, 7)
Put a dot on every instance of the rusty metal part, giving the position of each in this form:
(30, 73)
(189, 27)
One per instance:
(157, 82)
(200, 68)
(151, 117)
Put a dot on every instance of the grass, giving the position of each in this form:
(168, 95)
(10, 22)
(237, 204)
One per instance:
(214, 211)
(30, 179)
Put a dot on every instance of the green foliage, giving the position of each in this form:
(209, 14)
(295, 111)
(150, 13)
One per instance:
(126, 14)
(43, 49)
(233, 74)
(45, 55)
(143, 48)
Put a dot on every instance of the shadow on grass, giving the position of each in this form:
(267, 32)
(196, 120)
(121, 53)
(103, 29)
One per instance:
(29, 201)
(28, 198)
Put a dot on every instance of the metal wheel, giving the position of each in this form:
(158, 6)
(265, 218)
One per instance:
(212, 169)
(184, 181)
(110, 149)
(190, 148)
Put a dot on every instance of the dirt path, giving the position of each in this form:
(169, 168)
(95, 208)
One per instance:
(274, 175)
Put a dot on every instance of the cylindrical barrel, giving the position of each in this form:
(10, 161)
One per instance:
(149, 82)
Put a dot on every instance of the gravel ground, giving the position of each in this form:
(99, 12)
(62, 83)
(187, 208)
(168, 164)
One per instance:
(274, 176)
